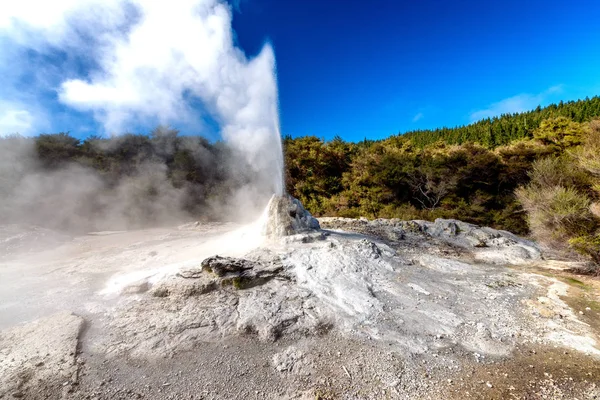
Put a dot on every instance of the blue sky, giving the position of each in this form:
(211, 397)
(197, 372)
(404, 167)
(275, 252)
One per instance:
(353, 68)
(369, 69)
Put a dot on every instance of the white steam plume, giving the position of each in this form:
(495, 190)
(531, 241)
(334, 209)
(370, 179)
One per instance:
(153, 59)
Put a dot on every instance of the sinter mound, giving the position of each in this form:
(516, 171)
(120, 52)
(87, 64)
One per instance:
(286, 216)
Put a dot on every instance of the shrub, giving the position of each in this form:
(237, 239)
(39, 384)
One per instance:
(556, 213)
(561, 132)
(559, 203)
(568, 210)
(588, 155)
(558, 171)
(590, 246)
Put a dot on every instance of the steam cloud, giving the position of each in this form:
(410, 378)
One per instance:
(150, 60)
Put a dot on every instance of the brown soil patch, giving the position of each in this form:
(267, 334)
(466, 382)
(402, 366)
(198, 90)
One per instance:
(532, 373)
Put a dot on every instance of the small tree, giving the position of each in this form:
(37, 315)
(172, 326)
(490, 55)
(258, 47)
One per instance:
(561, 132)
(54, 150)
(589, 245)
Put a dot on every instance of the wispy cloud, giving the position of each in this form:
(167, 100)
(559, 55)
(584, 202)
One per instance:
(515, 104)
(14, 118)
(418, 117)
(237, 5)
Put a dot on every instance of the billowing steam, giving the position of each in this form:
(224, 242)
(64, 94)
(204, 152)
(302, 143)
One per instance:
(148, 61)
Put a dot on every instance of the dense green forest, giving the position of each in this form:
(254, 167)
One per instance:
(499, 131)
(536, 172)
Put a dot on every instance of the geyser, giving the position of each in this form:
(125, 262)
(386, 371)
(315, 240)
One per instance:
(286, 216)
(150, 62)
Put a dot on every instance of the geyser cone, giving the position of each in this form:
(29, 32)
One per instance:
(286, 216)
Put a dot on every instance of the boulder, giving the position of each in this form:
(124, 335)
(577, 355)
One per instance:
(222, 266)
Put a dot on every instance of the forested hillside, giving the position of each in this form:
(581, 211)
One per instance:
(498, 131)
(536, 172)
(531, 173)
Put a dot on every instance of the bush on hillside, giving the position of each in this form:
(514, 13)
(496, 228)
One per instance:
(588, 245)
(556, 213)
(588, 155)
(561, 132)
(559, 199)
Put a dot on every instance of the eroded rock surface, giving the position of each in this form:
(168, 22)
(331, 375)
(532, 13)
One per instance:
(362, 309)
(38, 359)
(440, 294)
(483, 243)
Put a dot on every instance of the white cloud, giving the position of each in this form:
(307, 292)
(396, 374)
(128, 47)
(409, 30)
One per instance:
(61, 23)
(418, 117)
(519, 103)
(39, 14)
(153, 56)
(15, 119)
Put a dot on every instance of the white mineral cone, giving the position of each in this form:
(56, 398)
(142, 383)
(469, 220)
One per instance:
(286, 216)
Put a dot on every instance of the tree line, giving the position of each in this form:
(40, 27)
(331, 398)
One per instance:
(126, 181)
(506, 128)
(536, 172)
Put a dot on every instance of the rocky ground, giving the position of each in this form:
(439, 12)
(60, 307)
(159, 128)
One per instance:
(358, 310)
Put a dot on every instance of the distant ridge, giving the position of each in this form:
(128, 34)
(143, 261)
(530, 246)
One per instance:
(498, 131)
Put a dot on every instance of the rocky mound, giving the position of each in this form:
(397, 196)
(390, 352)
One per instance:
(434, 284)
(483, 243)
(286, 216)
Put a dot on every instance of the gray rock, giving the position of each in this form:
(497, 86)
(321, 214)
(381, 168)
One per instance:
(286, 216)
(222, 266)
(487, 244)
(445, 227)
(38, 359)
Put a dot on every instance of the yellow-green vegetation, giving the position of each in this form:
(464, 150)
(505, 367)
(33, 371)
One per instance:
(237, 282)
(323, 394)
(394, 179)
(575, 282)
(561, 197)
(471, 181)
